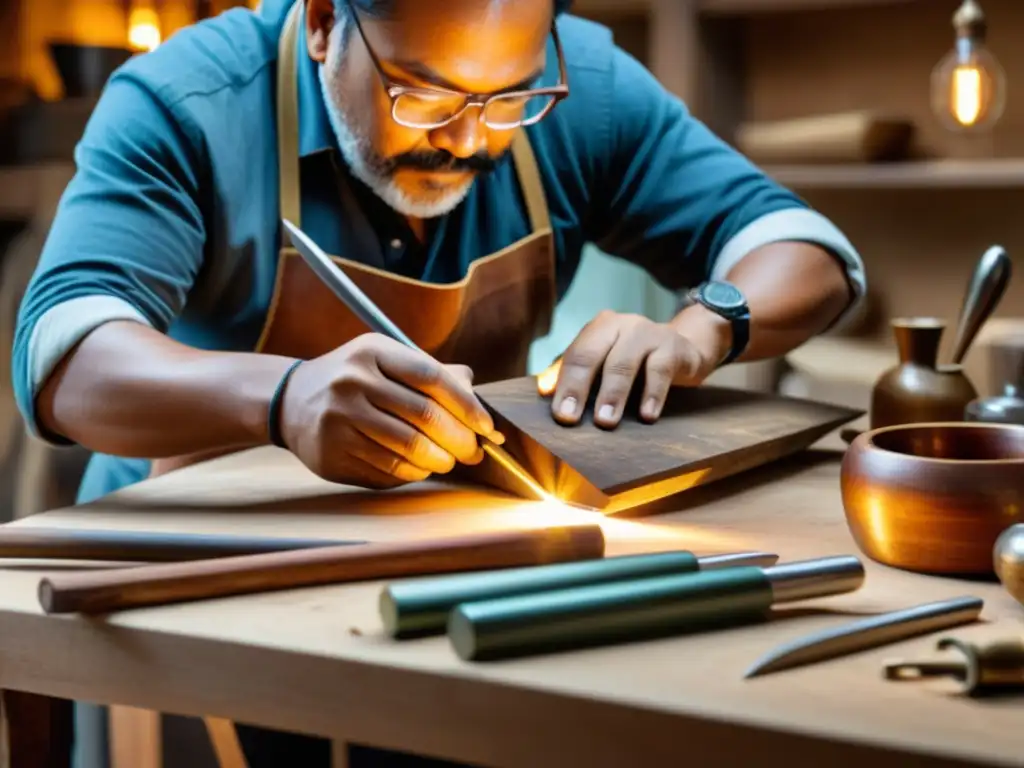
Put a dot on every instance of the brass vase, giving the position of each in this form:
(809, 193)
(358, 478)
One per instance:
(920, 390)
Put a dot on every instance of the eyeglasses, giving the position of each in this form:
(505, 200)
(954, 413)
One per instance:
(432, 108)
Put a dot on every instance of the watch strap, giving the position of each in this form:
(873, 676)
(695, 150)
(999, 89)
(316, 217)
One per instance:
(739, 322)
(740, 337)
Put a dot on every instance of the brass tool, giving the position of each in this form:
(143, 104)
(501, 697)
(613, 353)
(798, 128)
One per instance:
(361, 306)
(997, 667)
(868, 633)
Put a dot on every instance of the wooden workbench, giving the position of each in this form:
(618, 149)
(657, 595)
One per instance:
(315, 661)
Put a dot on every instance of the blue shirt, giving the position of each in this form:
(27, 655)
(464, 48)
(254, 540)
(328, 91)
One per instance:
(172, 218)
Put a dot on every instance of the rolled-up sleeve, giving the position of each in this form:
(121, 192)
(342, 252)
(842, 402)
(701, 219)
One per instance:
(127, 239)
(681, 203)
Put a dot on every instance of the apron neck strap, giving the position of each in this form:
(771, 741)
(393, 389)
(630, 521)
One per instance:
(530, 182)
(288, 119)
(288, 139)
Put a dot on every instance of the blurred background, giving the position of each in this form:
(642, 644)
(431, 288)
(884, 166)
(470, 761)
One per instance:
(860, 106)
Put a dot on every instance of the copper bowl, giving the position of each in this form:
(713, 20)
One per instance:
(934, 497)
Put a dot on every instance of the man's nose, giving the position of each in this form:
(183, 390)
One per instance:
(464, 136)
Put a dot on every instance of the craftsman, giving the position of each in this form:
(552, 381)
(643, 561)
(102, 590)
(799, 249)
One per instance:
(455, 157)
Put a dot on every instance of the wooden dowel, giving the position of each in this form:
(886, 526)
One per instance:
(18, 541)
(121, 588)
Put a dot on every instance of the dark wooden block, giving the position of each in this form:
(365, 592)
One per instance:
(705, 434)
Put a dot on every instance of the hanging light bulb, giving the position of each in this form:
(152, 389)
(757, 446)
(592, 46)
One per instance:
(143, 27)
(969, 85)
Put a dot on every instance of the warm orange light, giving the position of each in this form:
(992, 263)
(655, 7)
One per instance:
(144, 29)
(547, 379)
(542, 514)
(966, 95)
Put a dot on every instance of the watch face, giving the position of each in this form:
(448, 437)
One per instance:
(724, 295)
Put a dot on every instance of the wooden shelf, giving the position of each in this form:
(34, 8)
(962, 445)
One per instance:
(740, 7)
(835, 358)
(937, 174)
(727, 7)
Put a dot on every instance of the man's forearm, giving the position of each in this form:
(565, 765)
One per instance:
(129, 390)
(794, 291)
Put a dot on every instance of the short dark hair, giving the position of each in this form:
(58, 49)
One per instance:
(379, 9)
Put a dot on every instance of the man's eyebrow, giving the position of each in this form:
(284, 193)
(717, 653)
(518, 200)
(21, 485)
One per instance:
(421, 71)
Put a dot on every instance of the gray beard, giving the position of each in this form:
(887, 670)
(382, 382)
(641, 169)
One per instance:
(357, 151)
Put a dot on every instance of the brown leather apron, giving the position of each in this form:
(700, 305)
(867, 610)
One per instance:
(488, 320)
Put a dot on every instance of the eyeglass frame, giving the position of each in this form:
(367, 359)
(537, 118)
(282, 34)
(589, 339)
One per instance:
(395, 90)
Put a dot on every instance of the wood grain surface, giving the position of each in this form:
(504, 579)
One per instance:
(704, 434)
(316, 660)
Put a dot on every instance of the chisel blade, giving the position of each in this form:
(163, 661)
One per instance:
(868, 633)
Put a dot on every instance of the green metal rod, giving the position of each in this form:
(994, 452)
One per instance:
(640, 608)
(420, 607)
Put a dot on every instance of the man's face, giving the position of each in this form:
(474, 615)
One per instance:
(470, 46)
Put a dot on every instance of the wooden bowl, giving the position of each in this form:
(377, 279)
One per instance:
(934, 497)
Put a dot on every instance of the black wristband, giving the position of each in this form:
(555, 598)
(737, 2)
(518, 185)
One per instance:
(274, 411)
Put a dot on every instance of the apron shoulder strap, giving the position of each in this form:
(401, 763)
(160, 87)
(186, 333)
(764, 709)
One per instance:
(288, 119)
(530, 182)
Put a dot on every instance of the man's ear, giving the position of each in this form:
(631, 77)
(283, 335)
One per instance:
(319, 23)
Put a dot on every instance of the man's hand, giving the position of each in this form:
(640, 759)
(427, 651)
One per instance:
(620, 347)
(377, 414)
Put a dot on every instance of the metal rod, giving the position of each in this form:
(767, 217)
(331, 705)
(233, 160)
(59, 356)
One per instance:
(420, 607)
(636, 609)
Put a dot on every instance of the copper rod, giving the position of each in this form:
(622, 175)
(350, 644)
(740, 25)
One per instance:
(142, 546)
(148, 585)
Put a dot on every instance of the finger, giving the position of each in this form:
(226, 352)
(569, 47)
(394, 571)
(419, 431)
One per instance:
(462, 373)
(620, 371)
(369, 450)
(404, 441)
(465, 375)
(579, 367)
(355, 471)
(443, 433)
(659, 372)
(422, 372)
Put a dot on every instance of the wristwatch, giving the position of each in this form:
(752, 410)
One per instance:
(727, 301)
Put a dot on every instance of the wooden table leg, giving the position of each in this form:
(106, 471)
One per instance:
(339, 753)
(136, 738)
(37, 731)
(225, 743)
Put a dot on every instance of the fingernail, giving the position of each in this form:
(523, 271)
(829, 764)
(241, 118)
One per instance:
(498, 438)
(651, 409)
(607, 412)
(568, 407)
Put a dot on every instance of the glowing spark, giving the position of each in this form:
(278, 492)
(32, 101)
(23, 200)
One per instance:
(547, 379)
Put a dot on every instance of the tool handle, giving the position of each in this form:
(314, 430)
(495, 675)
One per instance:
(147, 585)
(986, 288)
(625, 610)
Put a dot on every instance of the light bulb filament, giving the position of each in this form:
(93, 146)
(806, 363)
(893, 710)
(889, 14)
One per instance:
(967, 96)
